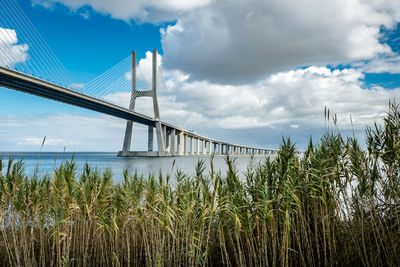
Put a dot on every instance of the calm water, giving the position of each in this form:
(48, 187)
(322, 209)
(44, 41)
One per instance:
(47, 161)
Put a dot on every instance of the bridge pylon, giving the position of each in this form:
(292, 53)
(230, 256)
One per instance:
(160, 129)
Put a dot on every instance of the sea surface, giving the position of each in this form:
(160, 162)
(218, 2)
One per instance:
(47, 161)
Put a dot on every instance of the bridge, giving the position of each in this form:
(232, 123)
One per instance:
(171, 140)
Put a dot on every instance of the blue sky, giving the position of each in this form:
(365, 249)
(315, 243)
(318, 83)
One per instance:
(244, 71)
(86, 48)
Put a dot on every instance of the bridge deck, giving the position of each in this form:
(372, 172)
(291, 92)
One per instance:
(28, 84)
(22, 82)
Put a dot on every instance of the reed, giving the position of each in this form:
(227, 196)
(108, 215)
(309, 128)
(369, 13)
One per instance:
(335, 205)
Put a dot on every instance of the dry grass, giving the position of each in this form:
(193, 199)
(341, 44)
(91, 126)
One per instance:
(336, 205)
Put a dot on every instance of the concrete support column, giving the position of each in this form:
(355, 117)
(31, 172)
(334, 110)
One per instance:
(180, 144)
(150, 136)
(166, 135)
(185, 144)
(197, 146)
(215, 148)
(164, 132)
(159, 130)
(191, 146)
(128, 130)
(128, 136)
(204, 147)
(210, 147)
(172, 147)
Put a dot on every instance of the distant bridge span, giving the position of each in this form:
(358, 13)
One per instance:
(171, 140)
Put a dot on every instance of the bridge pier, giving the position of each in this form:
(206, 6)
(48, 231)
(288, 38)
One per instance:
(150, 137)
(172, 149)
(191, 145)
(161, 130)
(166, 134)
(185, 144)
(180, 144)
(204, 147)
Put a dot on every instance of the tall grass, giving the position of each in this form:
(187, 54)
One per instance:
(337, 204)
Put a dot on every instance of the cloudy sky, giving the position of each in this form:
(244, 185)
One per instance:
(245, 71)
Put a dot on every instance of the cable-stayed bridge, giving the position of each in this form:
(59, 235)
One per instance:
(27, 64)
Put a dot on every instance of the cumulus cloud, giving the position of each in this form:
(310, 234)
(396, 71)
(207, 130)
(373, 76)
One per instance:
(11, 53)
(285, 103)
(240, 41)
(293, 99)
(237, 42)
(139, 10)
(383, 64)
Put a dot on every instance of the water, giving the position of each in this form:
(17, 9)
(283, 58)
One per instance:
(47, 161)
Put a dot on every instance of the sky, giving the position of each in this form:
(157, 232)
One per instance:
(243, 71)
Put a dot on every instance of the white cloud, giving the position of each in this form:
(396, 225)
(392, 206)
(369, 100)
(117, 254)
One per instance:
(383, 64)
(75, 132)
(139, 10)
(77, 86)
(294, 99)
(237, 42)
(11, 53)
(241, 41)
(37, 142)
(282, 103)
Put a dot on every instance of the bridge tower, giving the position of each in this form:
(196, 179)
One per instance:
(126, 148)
